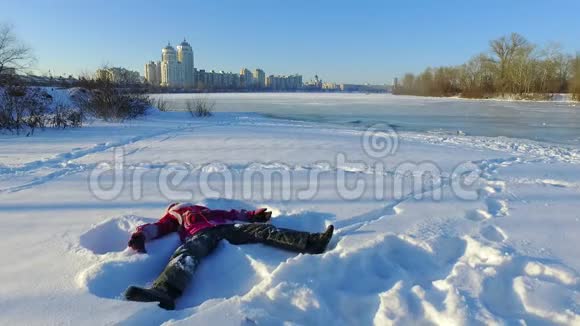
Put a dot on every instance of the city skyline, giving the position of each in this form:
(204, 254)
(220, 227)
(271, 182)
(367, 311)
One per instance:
(176, 70)
(341, 41)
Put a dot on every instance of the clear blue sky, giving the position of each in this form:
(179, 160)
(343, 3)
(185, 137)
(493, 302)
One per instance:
(342, 41)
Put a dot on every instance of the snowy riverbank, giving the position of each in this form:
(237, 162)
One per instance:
(498, 251)
(554, 98)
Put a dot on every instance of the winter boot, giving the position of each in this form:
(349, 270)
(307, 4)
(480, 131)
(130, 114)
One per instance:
(165, 297)
(317, 242)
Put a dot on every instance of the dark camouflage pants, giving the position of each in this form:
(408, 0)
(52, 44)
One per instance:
(181, 267)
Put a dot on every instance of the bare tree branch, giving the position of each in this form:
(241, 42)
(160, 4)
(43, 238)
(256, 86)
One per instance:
(13, 54)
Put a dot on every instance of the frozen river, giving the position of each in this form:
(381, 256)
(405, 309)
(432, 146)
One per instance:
(554, 122)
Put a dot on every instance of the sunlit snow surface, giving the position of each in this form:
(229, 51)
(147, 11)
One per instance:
(508, 257)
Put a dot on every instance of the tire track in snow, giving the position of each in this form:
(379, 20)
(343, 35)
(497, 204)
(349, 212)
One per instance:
(70, 168)
(63, 163)
(61, 159)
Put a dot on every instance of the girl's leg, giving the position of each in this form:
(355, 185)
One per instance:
(179, 271)
(288, 239)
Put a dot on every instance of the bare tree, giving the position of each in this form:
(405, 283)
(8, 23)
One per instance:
(13, 53)
(408, 83)
(506, 48)
(552, 70)
(575, 83)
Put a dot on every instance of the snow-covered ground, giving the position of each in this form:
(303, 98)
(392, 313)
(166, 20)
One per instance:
(492, 240)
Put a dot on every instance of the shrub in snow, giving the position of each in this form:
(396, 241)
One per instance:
(200, 107)
(64, 116)
(28, 108)
(109, 102)
(23, 108)
(161, 104)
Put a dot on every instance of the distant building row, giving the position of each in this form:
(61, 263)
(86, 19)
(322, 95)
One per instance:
(118, 75)
(366, 88)
(284, 82)
(176, 70)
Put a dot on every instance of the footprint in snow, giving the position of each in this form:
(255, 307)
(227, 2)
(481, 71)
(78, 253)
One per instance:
(493, 233)
(477, 215)
(497, 207)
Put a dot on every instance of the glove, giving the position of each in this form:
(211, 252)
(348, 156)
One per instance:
(261, 215)
(137, 242)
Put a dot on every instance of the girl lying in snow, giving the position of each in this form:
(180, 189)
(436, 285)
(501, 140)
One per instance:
(200, 230)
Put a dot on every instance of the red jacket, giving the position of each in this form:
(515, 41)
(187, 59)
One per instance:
(188, 219)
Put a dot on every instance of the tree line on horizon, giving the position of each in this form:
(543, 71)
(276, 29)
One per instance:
(512, 67)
